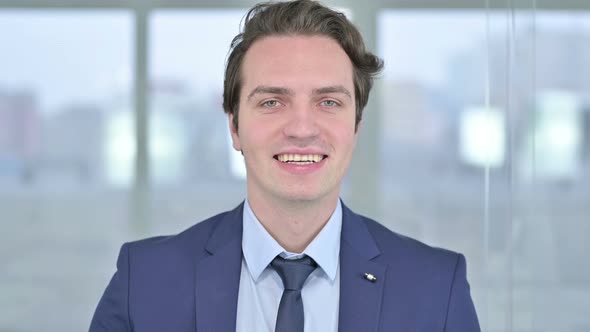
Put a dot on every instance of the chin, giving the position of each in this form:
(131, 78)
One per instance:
(304, 195)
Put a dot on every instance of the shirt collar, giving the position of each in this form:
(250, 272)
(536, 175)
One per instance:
(260, 248)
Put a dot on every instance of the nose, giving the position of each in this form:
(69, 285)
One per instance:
(302, 124)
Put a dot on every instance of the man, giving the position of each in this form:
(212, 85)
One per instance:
(292, 257)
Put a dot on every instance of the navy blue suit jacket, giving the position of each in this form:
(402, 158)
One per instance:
(189, 282)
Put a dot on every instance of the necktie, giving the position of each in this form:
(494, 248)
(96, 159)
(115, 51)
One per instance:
(293, 273)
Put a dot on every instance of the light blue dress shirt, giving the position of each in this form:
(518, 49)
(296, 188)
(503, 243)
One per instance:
(261, 287)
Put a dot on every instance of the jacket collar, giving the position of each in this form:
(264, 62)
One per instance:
(217, 276)
(360, 298)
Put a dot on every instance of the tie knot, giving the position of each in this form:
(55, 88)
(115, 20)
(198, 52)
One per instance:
(293, 272)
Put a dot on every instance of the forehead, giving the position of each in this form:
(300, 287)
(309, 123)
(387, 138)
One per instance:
(296, 61)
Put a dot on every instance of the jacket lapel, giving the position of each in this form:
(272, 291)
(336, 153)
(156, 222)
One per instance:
(360, 299)
(217, 276)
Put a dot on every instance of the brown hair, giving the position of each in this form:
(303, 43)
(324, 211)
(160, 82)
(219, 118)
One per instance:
(304, 17)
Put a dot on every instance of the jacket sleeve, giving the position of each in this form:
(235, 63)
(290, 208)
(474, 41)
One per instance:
(461, 315)
(112, 312)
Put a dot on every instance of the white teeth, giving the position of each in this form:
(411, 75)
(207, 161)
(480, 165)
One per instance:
(301, 159)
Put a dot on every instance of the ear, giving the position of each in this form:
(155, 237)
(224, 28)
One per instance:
(358, 128)
(356, 134)
(234, 133)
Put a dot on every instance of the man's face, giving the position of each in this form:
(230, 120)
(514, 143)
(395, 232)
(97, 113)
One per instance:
(296, 118)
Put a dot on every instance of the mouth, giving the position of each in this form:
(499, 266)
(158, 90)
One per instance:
(300, 159)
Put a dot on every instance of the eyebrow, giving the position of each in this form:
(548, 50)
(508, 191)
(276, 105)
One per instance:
(271, 90)
(286, 91)
(332, 89)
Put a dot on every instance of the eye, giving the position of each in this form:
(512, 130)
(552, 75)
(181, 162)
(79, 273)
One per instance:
(329, 103)
(271, 103)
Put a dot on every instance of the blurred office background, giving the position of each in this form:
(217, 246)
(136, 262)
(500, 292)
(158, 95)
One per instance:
(477, 139)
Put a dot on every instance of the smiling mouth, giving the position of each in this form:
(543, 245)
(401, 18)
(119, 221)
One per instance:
(300, 159)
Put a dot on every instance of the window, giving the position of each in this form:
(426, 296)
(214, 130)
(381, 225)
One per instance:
(191, 154)
(65, 81)
(485, 151)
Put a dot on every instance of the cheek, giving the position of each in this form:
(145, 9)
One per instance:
(345, 134)
(253, 138)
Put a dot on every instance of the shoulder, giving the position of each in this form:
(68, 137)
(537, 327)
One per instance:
(186, 245)
(421, 279)
(417, 269)
(411, 253)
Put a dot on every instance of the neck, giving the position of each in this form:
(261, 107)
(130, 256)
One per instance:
(293, 224)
